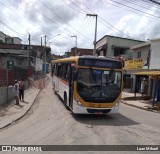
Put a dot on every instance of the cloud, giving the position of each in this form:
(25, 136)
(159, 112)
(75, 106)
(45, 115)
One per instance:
(32, 16)
(138, 27)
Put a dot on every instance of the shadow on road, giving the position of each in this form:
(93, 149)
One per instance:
(111, 120)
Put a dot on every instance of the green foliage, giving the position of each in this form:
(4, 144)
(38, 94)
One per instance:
(48, 54)
(1, 41)
(48, 51)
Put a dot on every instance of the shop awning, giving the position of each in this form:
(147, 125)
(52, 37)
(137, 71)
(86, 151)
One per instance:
(149, 73)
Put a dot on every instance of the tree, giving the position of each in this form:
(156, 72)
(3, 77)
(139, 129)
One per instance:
(1, 41)
(48, 54)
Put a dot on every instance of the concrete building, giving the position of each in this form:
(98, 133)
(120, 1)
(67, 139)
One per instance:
(142, 51)
(112, 46)
(8, 39)
(150, 54)
(80, 51)
(26, 64)
(2, 37)
(13, 40)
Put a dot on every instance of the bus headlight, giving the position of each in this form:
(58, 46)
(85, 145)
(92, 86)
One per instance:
(117, 104)
(78, 102)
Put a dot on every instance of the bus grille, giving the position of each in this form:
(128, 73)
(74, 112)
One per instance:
(98, 110)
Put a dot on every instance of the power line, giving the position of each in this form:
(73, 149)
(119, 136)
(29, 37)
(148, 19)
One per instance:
(72, 7)
(128, 9)
(86, 25)
(16, 12)
(134, 9)
(132, 2)
(75, 4)
(63, 21)
(152, 1)
(11, 28)
(113, 27)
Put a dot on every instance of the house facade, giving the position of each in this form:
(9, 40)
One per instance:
(26, 62)
(8, 39)
(112, 46)
(155, 54)
(150, 54)
(80, 51)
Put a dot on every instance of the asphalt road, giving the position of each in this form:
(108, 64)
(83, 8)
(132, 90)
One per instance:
(49, 123)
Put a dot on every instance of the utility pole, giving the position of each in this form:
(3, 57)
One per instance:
(45, 56)
(29, 39)
(41, 41)
(75, 45)
(7, 76)
(95, 37)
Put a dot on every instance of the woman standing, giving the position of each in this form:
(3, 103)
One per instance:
(16, 91)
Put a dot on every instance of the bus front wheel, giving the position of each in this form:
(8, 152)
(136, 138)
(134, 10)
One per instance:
(54, 89)
(65, 102)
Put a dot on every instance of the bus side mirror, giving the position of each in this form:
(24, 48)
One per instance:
(75, 75)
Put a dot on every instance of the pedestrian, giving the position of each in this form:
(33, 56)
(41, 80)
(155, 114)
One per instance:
(143, 86)
(21, 90)
(136, 89)
(16, 91)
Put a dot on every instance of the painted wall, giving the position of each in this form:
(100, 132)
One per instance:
(144, 52)
(38, 64)
(155, 55)
(3, 94)
(16, 40)
(119, 42)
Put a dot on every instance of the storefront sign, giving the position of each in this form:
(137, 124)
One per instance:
(134, 64)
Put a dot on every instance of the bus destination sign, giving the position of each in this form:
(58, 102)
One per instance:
(101, 63)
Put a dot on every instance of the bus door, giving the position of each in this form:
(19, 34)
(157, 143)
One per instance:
(71, 85)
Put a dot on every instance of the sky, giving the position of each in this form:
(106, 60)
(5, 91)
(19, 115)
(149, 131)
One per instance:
(61, 19)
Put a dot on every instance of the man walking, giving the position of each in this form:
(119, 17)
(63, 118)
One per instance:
(21, 89)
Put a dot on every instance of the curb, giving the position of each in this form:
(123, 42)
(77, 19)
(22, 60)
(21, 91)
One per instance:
(22, 114)
(147, 109)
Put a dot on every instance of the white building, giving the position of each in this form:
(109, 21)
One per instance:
(8, 39)
(2, 37)
(155, 54)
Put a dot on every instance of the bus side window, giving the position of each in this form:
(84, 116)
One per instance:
(53, 68)
(59, 69)
(64, 70)
(68, 72)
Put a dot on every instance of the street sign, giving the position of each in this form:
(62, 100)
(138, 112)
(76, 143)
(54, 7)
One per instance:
(10, 64)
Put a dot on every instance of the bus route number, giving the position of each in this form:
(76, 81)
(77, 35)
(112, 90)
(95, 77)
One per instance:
(91, 105)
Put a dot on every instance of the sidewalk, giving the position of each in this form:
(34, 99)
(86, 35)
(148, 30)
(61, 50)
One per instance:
(138, 101)
(12, 112)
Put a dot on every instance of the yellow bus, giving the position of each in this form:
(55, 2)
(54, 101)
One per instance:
(88, 84)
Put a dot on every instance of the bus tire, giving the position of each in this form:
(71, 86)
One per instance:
(54, 89)
(65, 102)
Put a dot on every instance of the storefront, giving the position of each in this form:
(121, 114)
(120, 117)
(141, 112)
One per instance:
(153, 83)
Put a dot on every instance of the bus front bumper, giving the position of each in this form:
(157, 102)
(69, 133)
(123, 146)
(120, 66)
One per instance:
(78, 108)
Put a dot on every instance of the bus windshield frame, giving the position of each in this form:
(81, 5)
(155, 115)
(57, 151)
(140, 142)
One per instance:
(99, 85)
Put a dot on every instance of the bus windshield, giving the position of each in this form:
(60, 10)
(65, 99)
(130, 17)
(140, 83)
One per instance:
(99, 85)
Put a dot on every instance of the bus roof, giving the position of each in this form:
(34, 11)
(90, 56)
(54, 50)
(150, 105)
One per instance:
(66, 59)
(83, 57)
(92, 61)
